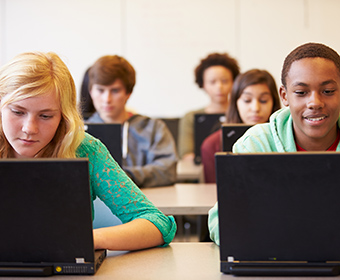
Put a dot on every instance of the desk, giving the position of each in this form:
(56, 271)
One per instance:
(187, 170)
(177, 261)
(183, 199)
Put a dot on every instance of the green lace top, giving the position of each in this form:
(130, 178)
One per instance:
(110, 183)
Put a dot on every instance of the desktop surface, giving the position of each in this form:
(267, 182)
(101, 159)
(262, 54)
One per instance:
(183, 199)
(178, 261)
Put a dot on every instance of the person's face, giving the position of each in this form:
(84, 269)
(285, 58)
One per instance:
(109, 101)
(217, 82)
(255, 104)
(30, 124)
(312, 93)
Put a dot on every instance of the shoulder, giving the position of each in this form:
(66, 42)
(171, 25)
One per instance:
(275, 136)
(213, 139)
(255, 139)
(95, 118)
(89, 145)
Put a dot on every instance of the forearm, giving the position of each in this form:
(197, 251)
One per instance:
(134, 235)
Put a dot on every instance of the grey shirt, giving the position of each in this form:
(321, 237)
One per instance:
(149, 156)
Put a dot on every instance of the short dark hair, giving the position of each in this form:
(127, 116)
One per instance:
(216, 59)
(309, 50)
(107, 69)
(251, 77)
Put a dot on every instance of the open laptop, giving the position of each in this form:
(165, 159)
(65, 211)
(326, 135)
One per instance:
(204, 125)
(46, 218)
(279, 213)
(111, 136)
(231, 132)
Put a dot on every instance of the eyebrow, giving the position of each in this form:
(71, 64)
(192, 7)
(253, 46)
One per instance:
(41, 111)
(322, 84)
(250, 93)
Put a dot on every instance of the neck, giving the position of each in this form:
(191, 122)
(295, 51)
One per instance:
(124, 116)
(318, 144)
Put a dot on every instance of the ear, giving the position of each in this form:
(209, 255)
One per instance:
(283, 96)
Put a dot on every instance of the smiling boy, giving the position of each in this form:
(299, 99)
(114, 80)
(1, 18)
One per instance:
(311, 91)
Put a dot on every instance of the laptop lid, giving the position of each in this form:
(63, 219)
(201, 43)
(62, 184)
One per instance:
(279, 213)
(204, 125)
(111, 136)
(231, 132)
(46, 218)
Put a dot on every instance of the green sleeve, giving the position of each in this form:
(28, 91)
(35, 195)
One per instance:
(213, 225)
(111, 184)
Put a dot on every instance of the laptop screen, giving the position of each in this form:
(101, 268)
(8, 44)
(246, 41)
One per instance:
(231, 132)
(279, 207)
(204, 125)
(110, 135)
(45, 213)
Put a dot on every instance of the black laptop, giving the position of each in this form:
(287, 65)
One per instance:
(279, 213)
(110, 134)
(204, 125)
(231, 132)
(46, 218)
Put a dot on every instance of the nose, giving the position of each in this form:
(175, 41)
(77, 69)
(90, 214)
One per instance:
(315, 101)
(219, 85)
(255, 106)
(107, 96)
(30, 126)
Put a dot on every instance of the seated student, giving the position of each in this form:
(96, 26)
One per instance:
(215, 74)
(253, 99)
(311, 90)
(40, 119)
(149, 150)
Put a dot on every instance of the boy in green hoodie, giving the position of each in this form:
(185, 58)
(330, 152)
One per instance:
(311, 92)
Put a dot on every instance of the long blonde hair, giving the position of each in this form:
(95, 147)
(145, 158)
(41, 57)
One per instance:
(33, 74)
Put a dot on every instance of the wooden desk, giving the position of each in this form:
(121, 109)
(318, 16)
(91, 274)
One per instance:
(177, 261)
(183, 199)
(187, 170)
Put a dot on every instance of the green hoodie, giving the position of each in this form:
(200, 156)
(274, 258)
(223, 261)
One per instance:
(275, 136)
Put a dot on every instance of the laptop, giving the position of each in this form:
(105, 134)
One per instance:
(279, 213)
(231, 132)
(204, 125)
(111, 136)
(46, 218)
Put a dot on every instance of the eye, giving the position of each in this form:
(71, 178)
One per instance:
(329, 91)
(264, 101)
(45, 117)
(115, 90)
(246, 100)
(300, 92)
(17, 112)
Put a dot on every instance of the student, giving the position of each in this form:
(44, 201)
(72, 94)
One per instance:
(215, 74)
(39, 119)
(253, 99)
(311, 90)
(149, 150)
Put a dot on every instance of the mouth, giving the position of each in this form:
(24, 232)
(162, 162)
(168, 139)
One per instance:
(315, 119)
(28, 141)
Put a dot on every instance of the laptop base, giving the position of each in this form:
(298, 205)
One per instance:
(26, 271)
(281, 269)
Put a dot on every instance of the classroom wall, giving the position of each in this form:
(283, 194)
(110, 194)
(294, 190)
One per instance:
(165, 40)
